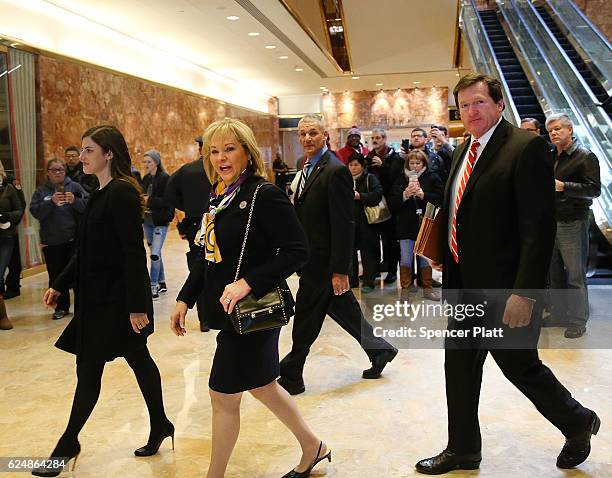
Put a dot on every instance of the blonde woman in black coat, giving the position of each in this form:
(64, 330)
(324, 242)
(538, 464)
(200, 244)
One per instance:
(275, 249)
(114, 310)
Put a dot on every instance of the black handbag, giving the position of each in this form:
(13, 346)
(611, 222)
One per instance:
(271, 311)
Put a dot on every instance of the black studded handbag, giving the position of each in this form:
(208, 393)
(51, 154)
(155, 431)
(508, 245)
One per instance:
(271, 311)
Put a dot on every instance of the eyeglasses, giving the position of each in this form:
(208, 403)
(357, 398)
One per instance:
(56, 170)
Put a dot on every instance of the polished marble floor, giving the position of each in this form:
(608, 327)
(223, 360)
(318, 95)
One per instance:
(376, 428)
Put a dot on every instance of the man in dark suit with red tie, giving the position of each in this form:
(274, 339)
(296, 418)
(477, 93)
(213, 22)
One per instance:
(324, 201)
(499, 229)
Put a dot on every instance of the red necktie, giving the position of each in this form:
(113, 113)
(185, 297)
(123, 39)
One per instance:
(469, 167)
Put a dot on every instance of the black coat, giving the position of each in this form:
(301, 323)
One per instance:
(161, 211)
(327, 212)
(506, 221)
(110, 272)
(274, 226)
(390, 169)
(405, 212)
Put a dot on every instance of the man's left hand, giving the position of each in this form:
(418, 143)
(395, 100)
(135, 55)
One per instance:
(340, 283)
(518, 311)
(559, 186)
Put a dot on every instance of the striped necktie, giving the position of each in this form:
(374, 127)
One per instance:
(469, 167)
(304, 177)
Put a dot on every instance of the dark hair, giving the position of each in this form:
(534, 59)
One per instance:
(110, 139)
(493, 85)
(360, 158)
(535, 122)
(442, 128)
(72, 147)
(416, 154)
(423, 132)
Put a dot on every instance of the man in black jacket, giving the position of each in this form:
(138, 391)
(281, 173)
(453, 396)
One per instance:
(435, 164)
(387, 165)
(324, 201)
(577, 183)
(188, 190)
(74, 170)
(497, 234)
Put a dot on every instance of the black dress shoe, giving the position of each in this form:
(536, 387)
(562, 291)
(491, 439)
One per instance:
(294, 388)
(390, 279)
(448, 461)
(9, 294)
(152, 446)
(435, 283)
(574, 332)
(379, 362)
(577, 448)
(204, 327)
(306, 473)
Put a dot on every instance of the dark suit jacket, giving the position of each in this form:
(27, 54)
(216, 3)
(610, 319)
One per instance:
(274, 226)
(326, 210)
(506, 220)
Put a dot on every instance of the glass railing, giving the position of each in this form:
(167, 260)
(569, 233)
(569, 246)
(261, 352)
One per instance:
(563, 91)
(587, 37)
(483, 58)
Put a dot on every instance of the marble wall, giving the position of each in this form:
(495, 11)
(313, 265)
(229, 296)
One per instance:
(401, 108)
(74, 97)
(599, 13)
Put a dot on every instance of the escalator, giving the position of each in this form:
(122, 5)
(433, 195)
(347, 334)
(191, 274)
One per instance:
(594, 84)
(522, 94)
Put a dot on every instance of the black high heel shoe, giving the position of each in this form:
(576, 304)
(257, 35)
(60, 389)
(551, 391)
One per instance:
(152, 447)
(65, 454)
(306, 473)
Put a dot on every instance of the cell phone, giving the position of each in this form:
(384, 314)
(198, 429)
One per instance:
(60, 188)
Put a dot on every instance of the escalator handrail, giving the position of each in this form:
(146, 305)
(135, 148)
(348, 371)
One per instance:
(563, 55)
(508, 101)
(590, 24)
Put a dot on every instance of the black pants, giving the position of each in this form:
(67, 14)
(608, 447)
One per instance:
(57, 258)
(390, 245)
(192, 255)
(315, 299)
(366, 241)
(463, 370)
(13, 278)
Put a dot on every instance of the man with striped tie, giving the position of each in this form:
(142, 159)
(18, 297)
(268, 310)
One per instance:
(324, 201)
(499, 210)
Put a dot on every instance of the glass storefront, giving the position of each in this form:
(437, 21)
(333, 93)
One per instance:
(6, 157)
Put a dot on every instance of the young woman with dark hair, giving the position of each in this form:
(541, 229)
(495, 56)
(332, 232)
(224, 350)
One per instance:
(114, 311)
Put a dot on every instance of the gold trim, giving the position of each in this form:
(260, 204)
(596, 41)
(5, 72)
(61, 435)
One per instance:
(457, 46)
(324, 22)
(3, 49)
(346, 39)
(311, 34)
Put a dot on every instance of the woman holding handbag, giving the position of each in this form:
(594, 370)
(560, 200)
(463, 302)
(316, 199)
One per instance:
(368, 193)
(410, 194)
(251, 242)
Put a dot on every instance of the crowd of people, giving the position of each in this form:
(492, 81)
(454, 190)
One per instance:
(514, 217)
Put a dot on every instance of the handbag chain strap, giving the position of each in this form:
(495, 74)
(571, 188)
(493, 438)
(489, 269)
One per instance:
(246, 232)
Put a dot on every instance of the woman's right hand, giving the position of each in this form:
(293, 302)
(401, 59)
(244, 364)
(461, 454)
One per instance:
(50, 297)
(177, 318)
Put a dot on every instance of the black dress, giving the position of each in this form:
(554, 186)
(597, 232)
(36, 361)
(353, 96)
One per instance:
(245, 362)
(110, 275)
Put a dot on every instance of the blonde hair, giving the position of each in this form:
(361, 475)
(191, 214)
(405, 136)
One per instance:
(244, 135)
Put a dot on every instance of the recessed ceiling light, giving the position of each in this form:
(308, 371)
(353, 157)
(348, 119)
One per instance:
(253, 34)
(284, 57)
(355, 77)
(416, 82)
(322, 87)
(232, 18)
(299, 69)
(379, 84)
(456, 74)
(270, 47)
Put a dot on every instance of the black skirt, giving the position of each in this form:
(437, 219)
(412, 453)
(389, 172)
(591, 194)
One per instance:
(244, 362)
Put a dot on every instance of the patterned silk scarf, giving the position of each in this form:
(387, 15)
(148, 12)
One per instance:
(220, 198)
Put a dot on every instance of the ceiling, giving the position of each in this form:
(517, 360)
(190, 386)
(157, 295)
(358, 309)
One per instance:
(394, 42)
